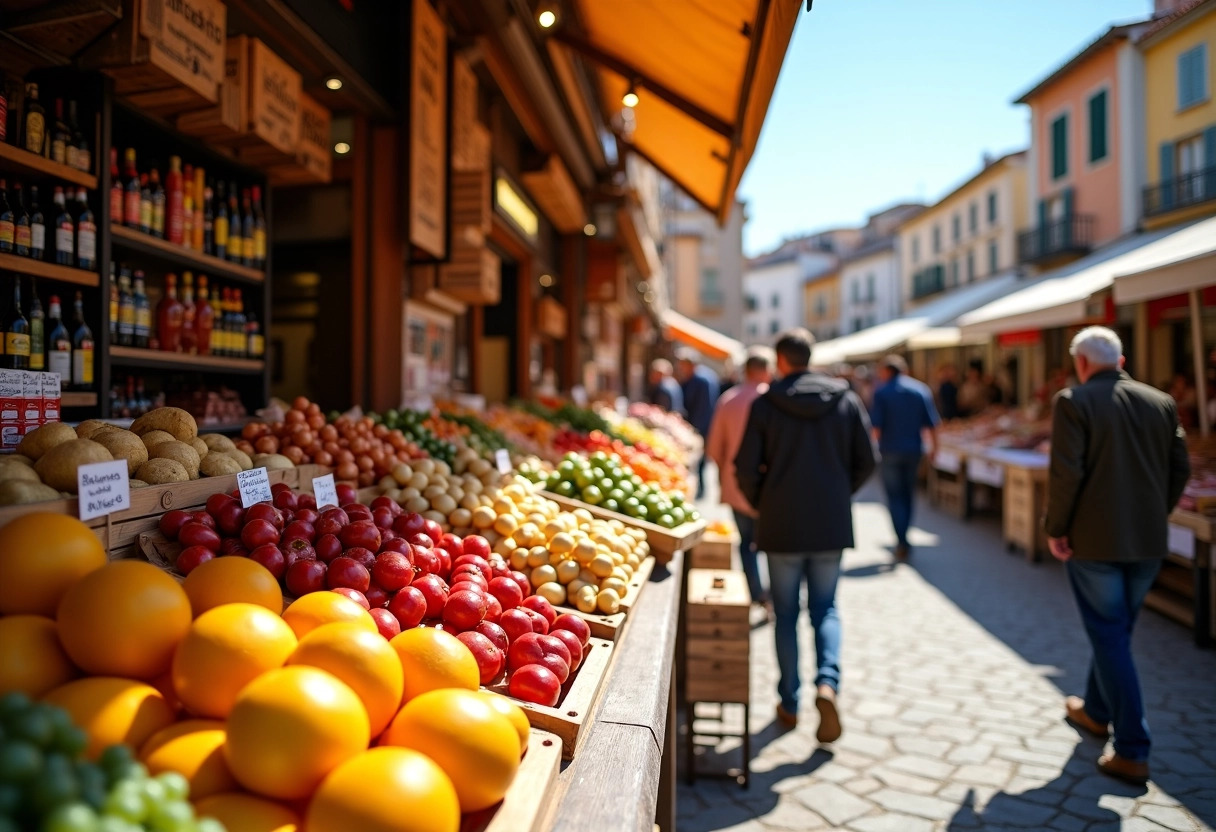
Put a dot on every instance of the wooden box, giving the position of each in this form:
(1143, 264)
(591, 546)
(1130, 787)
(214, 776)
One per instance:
(717, 680)
(313, 157)
(717, 596)
(473, 275)
(663, 542)
(717, 637)
(227, 120)
(1025, 502)
(714, 551)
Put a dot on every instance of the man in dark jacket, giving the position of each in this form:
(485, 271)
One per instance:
(1118, 466)
(805, 451)
(664, 390)
(699, 384)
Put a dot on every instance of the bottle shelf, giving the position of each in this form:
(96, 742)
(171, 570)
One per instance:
(54, 271)
(83, 399)
(139, 357)
(136, 241)
(16, 160)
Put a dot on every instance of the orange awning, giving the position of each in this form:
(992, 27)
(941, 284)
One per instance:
(708, 342)
(703, 70)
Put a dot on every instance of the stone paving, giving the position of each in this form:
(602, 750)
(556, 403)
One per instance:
(955, 667)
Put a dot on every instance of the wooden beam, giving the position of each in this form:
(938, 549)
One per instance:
(745, 94)
(516, 95)
(385, 323)
(360, 162)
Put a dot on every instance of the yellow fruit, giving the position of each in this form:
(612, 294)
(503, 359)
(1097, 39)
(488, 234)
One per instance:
(225, 649)
(41, 556)
(124, 619)
(316, 608)
(567, 571)
(552, 592)
(195, 750)
(31, 659)
(385, 790)
(584, 552)
(601, 566)
(434, 659)
(561, 544)
(608, 601)
(112, 710)
(290, 728)
(514, 714)
(506, 524)
(586, 599)
(543, 575)
(245, 813)
(362, 660)
(476, 745)
(232, 581)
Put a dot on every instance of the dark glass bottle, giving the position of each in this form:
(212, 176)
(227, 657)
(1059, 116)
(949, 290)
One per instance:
(86, 233)
(208, 222)
(35, 121)
(59, 345)
(236, 230)
(21, 223)
(82, 347)
(7, 225)
(145, 204)
(16, 333)
(249, 255)
(37, 331)
(61, 136)
(259, 230)
(143, 312)
(158, 204)
(37, 226)
(79, 155)
(131, 205)
(126, 310)
(65, 231)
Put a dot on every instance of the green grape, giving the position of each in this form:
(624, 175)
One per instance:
(171, 816)
(20, 761)
(56, 783)
(71, 817)
(132, 771)
(175, 785)
(36, 725)
(125, 803)
(13, 703)
(92, 781)
(210, 825)
(114, 760)
(115, 824)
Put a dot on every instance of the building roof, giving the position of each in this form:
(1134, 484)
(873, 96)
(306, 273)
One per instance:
(879, 245)
(1167, 21)
(1000, 160)
(1114, 33)
(822, 276)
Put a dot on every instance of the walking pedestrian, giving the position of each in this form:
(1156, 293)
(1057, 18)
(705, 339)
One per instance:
(903, 412)
(1118, 466)
(805, 451)
(700, 387)
(725, 436)
(664, 389)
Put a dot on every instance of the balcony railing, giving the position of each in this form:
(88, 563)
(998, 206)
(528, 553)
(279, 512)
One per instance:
(1056, 239)
(928, 281)
(1183, 191)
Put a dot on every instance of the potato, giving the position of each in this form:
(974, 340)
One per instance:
(88, 427)
(137, 483)
(57, 467)
(18, 459)
(123, 444)
(162, 471)
(218, 442)
(217, 465)
(172, 420)
(200, 447)
(16, 472)
(16, 492)
(181, 452)
(242, 458)
(40, 440)
(155, 437)
(272, 462)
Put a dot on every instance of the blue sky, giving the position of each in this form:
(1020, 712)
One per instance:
(882, 101)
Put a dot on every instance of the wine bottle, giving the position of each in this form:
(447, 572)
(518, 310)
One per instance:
(37, 331)
(65, 231)
(169, 317)
(59, 345)
(248, 257)
(82, 347)
(204, 317)
(7, 224)
(189, 337)
(35, 121)
(86, 233)
(143, 312)
(133, 204)
(61, 137)
(37, 226)
(115, 305)
(126, 310)
(158, 204)
(221, 224)
(259, 230)
(145, 204)
(21, 223)
(80, 142)
(16, 333)
(173, 203)
(116, 194)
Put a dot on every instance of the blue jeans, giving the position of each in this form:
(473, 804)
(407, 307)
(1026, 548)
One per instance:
(749, 556)
(1109, 595)
(785, 575)
(899, 481)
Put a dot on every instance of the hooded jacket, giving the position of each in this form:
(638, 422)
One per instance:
(806, 450)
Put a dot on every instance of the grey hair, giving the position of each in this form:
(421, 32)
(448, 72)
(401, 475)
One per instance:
(1098, 344)
(661, 365)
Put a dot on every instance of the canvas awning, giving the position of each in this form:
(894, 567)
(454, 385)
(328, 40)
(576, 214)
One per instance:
(703, 70)
(1060, 298)
(1185, 273)
(941, 338)
(709, 342)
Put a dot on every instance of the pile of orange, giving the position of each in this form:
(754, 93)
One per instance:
(268, 713)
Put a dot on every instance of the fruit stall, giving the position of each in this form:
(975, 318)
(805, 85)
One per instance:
(396, 621)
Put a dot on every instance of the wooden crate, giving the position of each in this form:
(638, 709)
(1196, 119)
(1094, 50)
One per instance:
(717, 637)
(610, 626)
(714, 551)
(663, 542)
(525, 804)
(1025, 502)
(717, 680)
(571, 716)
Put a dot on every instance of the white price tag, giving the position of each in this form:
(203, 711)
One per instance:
(947, 461)
(579, 394)
(503, 460)
(254, 487)
(104, 488)
(985, 472)
(1182, 542)
(325, 492)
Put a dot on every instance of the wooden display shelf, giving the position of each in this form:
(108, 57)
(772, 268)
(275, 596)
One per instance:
(524, 806)
(53, 271)
(609, 626)
(137, 241)
(16, 160)
(84, 399)
(663, 542)
(139, 357)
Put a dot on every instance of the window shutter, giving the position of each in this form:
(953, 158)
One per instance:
(1066, 236)
(1097, 127)
(1059, 147)
(1166, 157)
(1209, 162)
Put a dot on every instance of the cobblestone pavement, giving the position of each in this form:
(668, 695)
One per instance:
(955, 667)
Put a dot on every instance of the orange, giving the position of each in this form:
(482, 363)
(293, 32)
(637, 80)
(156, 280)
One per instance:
(112, 710)
(385, 790)
(514, 714)
(225, 649)
(246, 813)
(290, 728)
(471, 741)
(125, 619)
(195, 750)
(31, 659)
(362, 660)
(231, 581)
(317, 608)
(41, 555)
(434, 659)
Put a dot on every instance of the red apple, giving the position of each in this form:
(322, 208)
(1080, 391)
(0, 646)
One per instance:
(515, 623)
(376, 596)
(346, 493)
(435, 591)
(408, 524)
(542, 606)
(421, 539)
(473, 562)
(386, 622)
(554, 645)
(267, 512)
(271, 557)
(353, 594)
(471, 579)
(536, 683)
(363, 556)
(197, 534)
(171, 523)
(452, 544)
(395, 544)
(306, 502)
(495, 608)
(233, 546)
(385, 502)
(192, 557)
(328, 547)
(284, 499)
(490, 659)
(475, 544)
(445, 561)
(356, 512)
(298, 530)
(393, 570)
(217, 501)
(332, 521)
(425, 559)
(575, 625)
(539, 623)
(298, 550)
(526, 649)
(507, 592)
(204, 518)
(559, 667)
(433, 530)
(231, 517)
(259, 533)
(347, 572)
(499, 568)
(305, 576)
(308, 515)
(361, 533)
(573, 646)
(464, 609)
(383, 518)
(525, 586)
(408, 606)
(495, 634)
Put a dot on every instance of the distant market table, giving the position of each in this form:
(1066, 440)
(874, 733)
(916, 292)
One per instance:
(1022, 476)
(1191, 537)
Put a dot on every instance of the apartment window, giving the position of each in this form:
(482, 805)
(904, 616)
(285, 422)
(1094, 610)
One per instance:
(870, 288)
(916, 249)
(752, 303)
(752, 331)
(711, 288)
(970, 266)
(1193, 76)
(821, 305)
(992, 207)
(1059, 147)
(1097, 127)
(954, 272)
(957, 224)
(773, 326)
(855, 291)
(1189, 164)
(776, 300)
(994, 257)
(857, 325)
(973, 218)
(937, 239)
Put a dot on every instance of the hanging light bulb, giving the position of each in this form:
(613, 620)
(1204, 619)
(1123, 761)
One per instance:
(546, 15)
(630, 98)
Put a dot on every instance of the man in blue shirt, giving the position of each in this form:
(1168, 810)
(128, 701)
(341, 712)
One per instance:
(699, 385)
(903, 410)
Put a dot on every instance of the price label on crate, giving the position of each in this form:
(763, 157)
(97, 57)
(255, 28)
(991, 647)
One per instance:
(325, 492)
(104, 488)
(1181, 542)
(503, 460)
(254, 487)
(947, 461)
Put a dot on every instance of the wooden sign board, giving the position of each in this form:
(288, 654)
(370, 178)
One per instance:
(274, 98)
(551, 317)
(313, 157)
(229, 118)
(428, 131)
(472, 275)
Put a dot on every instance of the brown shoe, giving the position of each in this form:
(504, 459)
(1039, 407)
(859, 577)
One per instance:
(1074, 710)
(786, 718)
(829, 717)
(901, 553)
(1121, 768)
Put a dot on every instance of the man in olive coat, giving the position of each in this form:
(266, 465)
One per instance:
(1118, 466)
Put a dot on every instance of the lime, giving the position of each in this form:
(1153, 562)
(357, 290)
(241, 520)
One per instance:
(565, 488)
(126, 802)
(611, 504)
(210, 825)
(583, 477)
(592, 495)
(599, 456)
(626, 485)
(606, 484)
(666, 521)
(19, 761)
(642, 513)
(677, 516)
(615, 494)
(72, 817)
(630, 506)
(676, 498)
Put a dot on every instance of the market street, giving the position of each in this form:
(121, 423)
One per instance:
(955, 669)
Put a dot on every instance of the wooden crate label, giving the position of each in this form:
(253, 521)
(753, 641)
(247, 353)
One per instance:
(274, 100)
(186, 39)
(313, 151)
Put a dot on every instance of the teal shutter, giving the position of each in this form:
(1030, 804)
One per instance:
(1042, 242)
(1166, 157)
(1066, 231)
(1097, 127)
(1059, 147)
(1209, 162)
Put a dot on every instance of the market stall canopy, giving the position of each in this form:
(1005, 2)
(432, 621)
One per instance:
(882, 339)
(1060, 297)
(703, 72)
(1188, 270)
(709, 342)
(943, 337)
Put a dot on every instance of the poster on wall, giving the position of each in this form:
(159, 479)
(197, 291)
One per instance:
(429, 352)
(428, 131)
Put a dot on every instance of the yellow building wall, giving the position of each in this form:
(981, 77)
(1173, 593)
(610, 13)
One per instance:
(827, 325)
(1165, 122)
